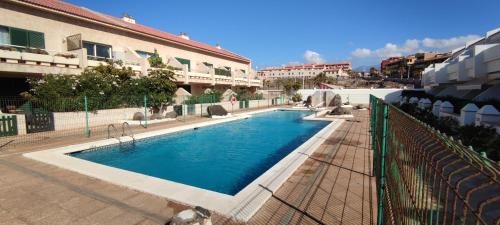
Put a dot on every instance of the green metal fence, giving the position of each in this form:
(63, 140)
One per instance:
(425, 177)
(25, 120)
(31, 120)
(8, 126)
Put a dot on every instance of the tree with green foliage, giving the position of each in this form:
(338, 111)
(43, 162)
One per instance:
(297, 97)
(290, 85)
(320, 78)
(242, 95)
(156, 61)
(373, 72)
(160, 88)
(105, 86)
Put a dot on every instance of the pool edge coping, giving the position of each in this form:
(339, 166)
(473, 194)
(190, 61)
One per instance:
(241, 206)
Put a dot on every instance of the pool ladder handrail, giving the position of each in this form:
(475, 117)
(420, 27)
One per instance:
(130, 132)
(109, 132)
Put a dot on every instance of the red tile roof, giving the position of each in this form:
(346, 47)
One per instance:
(310, 66)
(89, 14)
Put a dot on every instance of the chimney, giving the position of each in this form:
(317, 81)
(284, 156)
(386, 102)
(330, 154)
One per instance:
(127, 18)
(184, 35)
(218, 46)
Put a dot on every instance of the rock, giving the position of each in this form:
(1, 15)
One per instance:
(156, 116)
(171, 114)
(347, 109)
(138, 116)
(216, 110)
(308, 102)
(199, 216)
(186, 217)
(336, 101)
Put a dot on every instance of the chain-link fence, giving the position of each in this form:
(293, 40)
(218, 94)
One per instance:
(425, 177)
(30, 120)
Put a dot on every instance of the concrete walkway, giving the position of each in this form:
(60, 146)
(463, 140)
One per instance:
(334, 186)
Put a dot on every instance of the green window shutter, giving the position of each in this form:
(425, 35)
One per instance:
(18, 37)
(209, 65)
(36, 40)
(185, 62)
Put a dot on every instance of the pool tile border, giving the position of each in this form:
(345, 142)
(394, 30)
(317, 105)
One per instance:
(241, 206)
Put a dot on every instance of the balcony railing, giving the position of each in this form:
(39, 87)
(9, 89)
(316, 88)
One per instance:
(42, 57)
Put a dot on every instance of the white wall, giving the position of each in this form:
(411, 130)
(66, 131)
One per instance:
(358, 96)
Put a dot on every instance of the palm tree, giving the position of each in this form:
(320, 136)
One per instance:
(267, 83)
(320, 78)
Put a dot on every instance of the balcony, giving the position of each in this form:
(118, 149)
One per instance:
(490, 61)
(38, 61)
(35, 61)
(183, 76)
(429, 77)
(441, 75)
(452, 70)
(464, 68)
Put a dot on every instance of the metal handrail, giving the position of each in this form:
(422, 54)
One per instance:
(130, 131)
(109, 132)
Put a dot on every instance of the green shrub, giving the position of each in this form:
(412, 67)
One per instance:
(243, 95)
(156, 61)
(213, 97)
(105, 86)
(297, 97)
(482, 139)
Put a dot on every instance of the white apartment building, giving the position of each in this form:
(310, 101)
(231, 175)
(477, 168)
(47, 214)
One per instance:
(305, 71)
(40, 37)
(472, 72)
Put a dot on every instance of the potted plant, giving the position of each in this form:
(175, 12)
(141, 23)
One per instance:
(35, 55)
(66, 59)
(9, 53)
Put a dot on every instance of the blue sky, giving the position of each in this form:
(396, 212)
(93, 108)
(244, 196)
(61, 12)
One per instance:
(274, 33)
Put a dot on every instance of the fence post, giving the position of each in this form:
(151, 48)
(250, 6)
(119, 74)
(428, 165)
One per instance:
(383, 152)
(86, 105)
(145, 111)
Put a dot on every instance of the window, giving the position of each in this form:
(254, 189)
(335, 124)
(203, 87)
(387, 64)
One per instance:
(22, 38)
(209, 65)
(244, 71)
(4, 36)
(144, 54)
(185, 62)
(97, 51)
(223, 72)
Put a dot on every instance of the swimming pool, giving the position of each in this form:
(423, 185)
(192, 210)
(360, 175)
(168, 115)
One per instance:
(223, 158)
(233, 169)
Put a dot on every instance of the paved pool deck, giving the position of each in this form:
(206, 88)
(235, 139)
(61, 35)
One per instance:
(334, 186)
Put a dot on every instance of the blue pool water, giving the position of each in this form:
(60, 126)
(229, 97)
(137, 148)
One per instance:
(223, 158)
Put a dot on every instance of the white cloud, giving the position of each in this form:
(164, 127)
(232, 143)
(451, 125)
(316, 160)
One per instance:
(313, 57)
(294, 63)
(412, 46)
(361, 53)
(449, 43)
